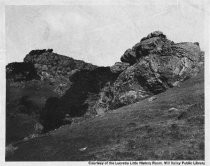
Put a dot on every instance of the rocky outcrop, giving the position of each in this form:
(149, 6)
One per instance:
(45, 65)
(56, 68)
(55, 64)
(43, 75)
(155, 42)
(150, 67)
(156, 65)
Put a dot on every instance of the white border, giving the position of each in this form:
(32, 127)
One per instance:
(87, 2)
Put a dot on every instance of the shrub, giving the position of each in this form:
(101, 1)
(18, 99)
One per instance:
(51, 116)
(21, 71)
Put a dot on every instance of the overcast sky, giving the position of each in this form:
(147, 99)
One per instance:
(100, 33)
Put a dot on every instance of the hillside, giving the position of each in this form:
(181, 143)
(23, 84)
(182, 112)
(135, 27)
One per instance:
(42, 75)
(48, 91)
(171, 127)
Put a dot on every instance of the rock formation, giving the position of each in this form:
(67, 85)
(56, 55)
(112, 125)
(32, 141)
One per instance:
(150, 67)
(156, 65)
(55, 68)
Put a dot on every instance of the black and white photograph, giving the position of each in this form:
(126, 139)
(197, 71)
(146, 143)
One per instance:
(105, 82)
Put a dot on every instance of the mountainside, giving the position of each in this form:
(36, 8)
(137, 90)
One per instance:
(49, 90)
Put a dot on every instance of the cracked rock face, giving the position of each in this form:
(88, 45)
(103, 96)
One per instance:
(156, 65)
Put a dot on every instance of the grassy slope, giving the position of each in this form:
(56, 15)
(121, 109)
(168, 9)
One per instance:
(141, 131)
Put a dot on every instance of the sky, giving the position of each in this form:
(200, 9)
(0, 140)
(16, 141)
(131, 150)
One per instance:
(100, 33)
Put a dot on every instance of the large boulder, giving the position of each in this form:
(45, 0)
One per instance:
(155, 43)
(156, 65)
(129, 57)
(136, 83)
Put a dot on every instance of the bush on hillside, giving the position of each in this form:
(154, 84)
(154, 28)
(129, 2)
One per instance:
(51, 116)
(21, 71)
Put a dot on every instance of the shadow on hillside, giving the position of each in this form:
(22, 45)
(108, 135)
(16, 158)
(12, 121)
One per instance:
(74, 101)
